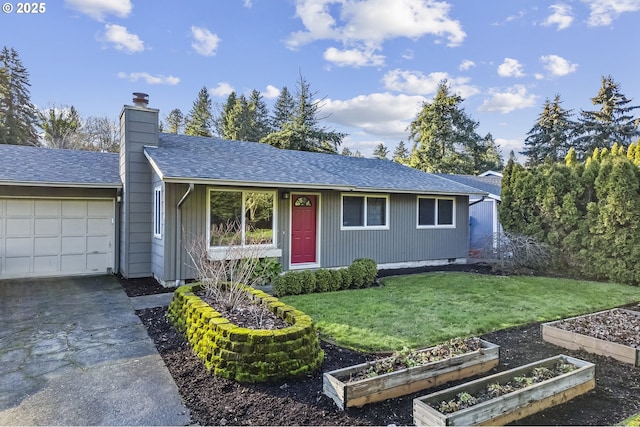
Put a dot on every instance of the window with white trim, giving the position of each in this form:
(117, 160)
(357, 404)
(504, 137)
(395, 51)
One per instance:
(157, 212)
(238, 217)
(365, 211)
(436, 212)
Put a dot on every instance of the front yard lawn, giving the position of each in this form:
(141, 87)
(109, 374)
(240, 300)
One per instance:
(426, 309)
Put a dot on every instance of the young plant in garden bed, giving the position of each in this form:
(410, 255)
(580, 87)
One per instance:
(465, 400)
(407, 358)
(224, 279)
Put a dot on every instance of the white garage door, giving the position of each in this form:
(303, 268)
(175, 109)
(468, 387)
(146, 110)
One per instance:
(55, 237)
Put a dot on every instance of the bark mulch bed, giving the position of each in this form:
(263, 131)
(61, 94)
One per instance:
(216, 401)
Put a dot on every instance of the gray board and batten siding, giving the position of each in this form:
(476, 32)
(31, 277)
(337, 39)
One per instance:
(402, 242)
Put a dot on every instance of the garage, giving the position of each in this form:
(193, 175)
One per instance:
(42, 237)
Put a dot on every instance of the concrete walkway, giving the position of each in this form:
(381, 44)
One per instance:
(73, 352)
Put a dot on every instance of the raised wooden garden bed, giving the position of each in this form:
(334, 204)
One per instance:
(566, 338)
(513, 405)
(346, 393)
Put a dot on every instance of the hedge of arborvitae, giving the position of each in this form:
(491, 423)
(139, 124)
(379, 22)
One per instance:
(587, 212)
(241, 354)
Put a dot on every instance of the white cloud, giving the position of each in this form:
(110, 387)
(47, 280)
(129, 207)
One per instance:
(417, 83)
(510, 68)
(603, 12)
(272, 92)
(557, 65)
(514, 98)
(122, 39)
(204, 41)
(561, 17)
(367, 24)
(508, 145)
(381, 114)
(99, 9)
(223, 89)
(353, 57)
(466, 65)
(150, 79)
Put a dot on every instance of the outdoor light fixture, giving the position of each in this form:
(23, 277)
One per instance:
(285, 194)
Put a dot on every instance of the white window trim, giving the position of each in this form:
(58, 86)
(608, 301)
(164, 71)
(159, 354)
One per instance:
(436, 198)
(157, 212)
(365, 226)
(271, 249)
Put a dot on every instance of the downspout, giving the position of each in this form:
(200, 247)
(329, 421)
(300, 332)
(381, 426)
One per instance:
(179, 233)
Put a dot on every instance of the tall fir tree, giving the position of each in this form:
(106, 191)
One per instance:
(200, 119)
(613, 122)
(303, 130)
(174, 121)
(18, 116)
(401, 154)
(258, 115)
(445, 137)
(381, 152)
(283, 109)
(551, 136)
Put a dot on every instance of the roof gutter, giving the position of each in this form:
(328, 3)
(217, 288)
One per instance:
(178, 246)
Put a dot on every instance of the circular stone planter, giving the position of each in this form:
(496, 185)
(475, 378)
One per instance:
(242, 354)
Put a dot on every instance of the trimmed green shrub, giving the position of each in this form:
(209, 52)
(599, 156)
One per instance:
(308, 281)
(347, 278)
(357, 274)
(369, 269)
(336, 279)
(324, 280)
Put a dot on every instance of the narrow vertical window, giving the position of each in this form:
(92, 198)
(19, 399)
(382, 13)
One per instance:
(157, 212)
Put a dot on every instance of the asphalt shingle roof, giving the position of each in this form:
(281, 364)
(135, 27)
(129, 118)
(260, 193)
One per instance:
(50, 166)
(489, 184)
(185, 158)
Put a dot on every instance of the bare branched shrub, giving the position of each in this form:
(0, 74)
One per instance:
(516, 251)
(225, 275)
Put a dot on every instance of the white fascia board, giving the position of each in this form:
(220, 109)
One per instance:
(60, 184)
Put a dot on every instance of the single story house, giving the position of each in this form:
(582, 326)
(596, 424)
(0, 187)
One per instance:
(66, 212)
(484, 224)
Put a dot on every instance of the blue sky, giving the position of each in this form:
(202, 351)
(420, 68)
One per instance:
(374, 62)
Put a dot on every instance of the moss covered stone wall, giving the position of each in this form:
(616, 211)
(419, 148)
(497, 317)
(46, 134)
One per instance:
(241, 354)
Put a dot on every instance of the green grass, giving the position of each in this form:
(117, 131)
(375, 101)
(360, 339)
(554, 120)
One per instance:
(426, 309)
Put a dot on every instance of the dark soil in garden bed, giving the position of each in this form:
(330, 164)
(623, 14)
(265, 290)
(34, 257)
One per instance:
(216, 401)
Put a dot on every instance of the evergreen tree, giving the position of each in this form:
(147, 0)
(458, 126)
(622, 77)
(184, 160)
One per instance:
(199, 120)
(346, 152)
(486, 155)
(258, 114)
(235, 118)
(283, 109)
(61, 127)
(18, 116)
(551, 135)
(445, 136)
(174, 121)
(613, 122)
(380, 152)
(401, 154)
(302, 131)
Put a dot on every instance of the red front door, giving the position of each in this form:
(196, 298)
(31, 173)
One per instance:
(303, 229)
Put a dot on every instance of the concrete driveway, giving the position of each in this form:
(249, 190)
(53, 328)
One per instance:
(73, 352)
